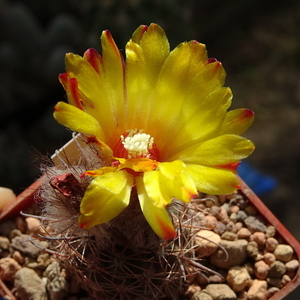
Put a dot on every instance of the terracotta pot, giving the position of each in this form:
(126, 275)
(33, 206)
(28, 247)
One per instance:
(27, 197)
(281, 230)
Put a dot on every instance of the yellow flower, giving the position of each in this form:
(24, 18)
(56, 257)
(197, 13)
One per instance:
(160, 119)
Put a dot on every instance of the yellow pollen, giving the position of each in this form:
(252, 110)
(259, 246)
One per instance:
(137, 144)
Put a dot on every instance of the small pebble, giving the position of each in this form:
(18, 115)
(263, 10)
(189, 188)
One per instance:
(258, 290)
(4, 243)
(8, 267)
(231, 227)
(239, 225)
(223, 216)
(21, 224)
(284, 252)
(29, 285)
(201, 295)
(220, 291)
(229, 236)
(207, 242)
(277, 269)
(236, 251)
(261, 269)
(250, 210)
(210, 222)
(243, 233)
(33, 226)
(233, 217)
(57, 285)
(220, 228)
(214, 210)
(285, 279)
(259, 238)
(252, 249)
(234, 209)
(271, 244)
(192, 290)
(241, 216)
(276, 282)
(269, 258)
(17, 256)
(7, 196)
(238, 278)
(270, 232)
(253, 224)
(292, 265)
(14, 233)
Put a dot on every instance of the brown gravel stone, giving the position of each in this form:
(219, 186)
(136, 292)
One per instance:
(231, 227)
(236, 251)
(229, 236)
(210, 222)
(33, 226)
(29, 285)
(252, 249)
(207, 242)
(243, 233)
(292, 265)
(21, 224)
(269, 258)
(271, 244)
(250, 210)
(17, 256)
(259, 238)
(220, 291)
(223, 216)
(284, 252)
(192, 290)
(220, 228)
(238, 278)
(239, 226)
(270, 232)
(254, 224)
(258, 290)
(234, 209)
(277, 269)
(201, 295)
(8, 267)
(261, 269)
(14, 233)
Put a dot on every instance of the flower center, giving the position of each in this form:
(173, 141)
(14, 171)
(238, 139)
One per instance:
(136, 144)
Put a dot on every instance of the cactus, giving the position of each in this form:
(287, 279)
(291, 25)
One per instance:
(124, 258)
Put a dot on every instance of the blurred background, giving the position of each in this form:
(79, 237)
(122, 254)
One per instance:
(257, 41)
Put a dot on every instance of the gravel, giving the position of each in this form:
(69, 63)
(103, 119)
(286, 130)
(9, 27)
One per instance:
(253, 262)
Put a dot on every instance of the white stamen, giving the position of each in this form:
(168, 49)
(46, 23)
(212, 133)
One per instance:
(137, 143)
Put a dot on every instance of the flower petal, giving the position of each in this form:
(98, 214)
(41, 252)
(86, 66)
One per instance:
(155, 214)
(93, 95)
(105, 197)
(145, 54)
(188, 92)
(237, 121)
(224, 149)
(176, 183)
(212, 180)
(74, 118)
(114, 69)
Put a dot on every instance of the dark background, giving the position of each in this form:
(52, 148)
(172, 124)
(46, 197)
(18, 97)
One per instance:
(258, 43)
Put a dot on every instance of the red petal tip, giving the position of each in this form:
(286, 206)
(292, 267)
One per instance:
(211, 60)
